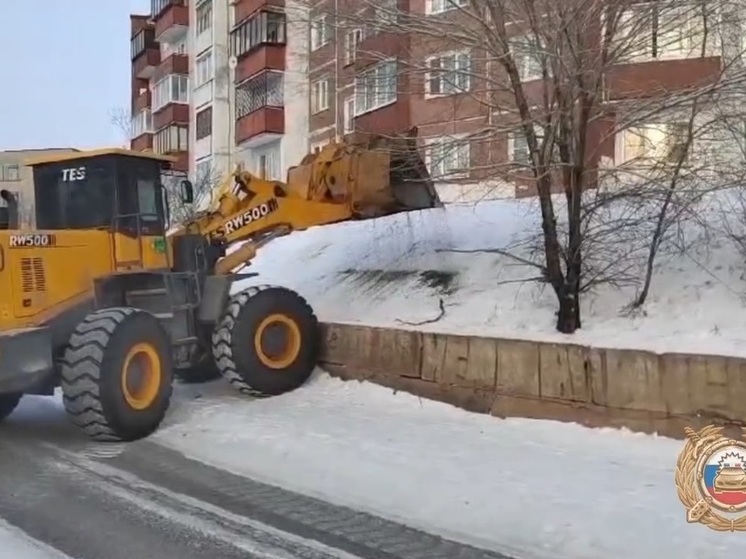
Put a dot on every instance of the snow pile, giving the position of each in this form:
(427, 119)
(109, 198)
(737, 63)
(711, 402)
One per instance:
(395, 270)
(530, 489)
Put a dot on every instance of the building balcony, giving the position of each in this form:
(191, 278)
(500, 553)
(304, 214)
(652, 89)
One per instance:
(260, 114)
(145, 63)
(143, 142)
(661, 77)
(142, 101)
(266, 57)
(174, 64)
(260, 126)
(171, 19)
(170, 114)
(245, 8)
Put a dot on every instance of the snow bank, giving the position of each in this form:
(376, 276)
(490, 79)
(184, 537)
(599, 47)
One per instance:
(15, 544)
(396, 269)
(532, 489)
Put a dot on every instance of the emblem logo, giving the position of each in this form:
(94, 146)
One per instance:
(711, 479)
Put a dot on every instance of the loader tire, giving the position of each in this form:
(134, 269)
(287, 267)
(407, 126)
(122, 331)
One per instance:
(8, 403)
(267, 342)
(99, 392)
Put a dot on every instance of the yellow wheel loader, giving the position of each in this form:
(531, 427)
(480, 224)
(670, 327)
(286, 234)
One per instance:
(109, 301)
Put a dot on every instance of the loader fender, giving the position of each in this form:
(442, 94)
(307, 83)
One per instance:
(267, 342)
(117, 374)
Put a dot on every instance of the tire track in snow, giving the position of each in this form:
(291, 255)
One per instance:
(258, 540)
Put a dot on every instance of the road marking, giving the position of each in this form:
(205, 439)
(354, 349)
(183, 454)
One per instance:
(254, 537)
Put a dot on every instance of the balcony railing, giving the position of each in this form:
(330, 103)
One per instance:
(158, 6)
(264, 90)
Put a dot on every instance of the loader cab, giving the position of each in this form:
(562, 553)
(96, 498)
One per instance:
(118, 190)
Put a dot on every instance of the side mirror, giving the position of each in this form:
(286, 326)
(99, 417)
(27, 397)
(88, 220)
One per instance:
(187, 192)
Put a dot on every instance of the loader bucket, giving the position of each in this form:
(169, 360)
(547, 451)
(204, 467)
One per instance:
(410, 182)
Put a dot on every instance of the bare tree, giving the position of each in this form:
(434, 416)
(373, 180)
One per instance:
(553, 96)
(205, 180)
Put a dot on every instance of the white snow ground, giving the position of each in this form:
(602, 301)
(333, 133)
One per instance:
(530, 489)
(696, 303)
(15, 544)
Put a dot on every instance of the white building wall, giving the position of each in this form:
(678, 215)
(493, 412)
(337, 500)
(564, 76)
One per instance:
(278, 154)
(213, 150)
(219, 148)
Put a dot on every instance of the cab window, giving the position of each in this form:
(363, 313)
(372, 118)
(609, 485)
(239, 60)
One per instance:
(74, 195)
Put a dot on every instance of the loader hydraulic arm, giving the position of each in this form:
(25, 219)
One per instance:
(354, 179)
(248, 208)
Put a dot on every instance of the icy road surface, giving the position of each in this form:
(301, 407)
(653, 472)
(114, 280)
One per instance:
(64, 497)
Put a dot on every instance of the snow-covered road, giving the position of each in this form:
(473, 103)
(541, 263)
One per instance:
(526, 488)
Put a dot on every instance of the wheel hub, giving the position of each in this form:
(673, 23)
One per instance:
(277, 341)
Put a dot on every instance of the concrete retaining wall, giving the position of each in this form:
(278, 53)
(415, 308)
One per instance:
(639, 390)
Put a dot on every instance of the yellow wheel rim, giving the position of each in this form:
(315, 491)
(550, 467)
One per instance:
(141, 376)
(277, 341)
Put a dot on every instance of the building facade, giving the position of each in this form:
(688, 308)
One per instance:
(18, 179)
(262, 82)
(220, 82)
(160, 80)
(367, 74)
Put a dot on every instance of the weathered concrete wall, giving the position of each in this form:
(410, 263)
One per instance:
(639, 390)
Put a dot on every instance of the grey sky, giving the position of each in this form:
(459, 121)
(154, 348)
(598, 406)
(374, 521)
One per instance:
(65, 64)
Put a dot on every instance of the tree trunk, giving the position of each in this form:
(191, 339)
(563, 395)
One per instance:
(568, 316)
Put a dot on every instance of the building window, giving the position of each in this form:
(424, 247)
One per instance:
(171, 139)
(376, 87)
(526, 55)
(448, 74)
(142, 123)
(267, 163)
(448, 157)
(440, 6)
(203, 123)
(174, 88)
(263, 28)
(157, 6)
(518, 151)
(204, 16)
(10, 172)
(385, 13)
(143, 40)
(319, 96)
(203, 172)
(352, 40)
(661, 30)
(263, 90)
(203, 68)
(649, 144)
(321, 32)
(349, 114)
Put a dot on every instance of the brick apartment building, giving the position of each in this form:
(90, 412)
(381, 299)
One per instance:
(260, 82)
(214, 82)
(359, 82)
(160, 80)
